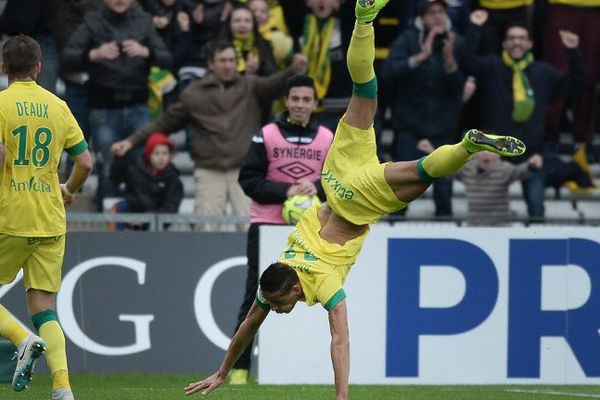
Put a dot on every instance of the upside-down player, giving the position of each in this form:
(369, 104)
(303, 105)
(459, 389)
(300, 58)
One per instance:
(360, 190)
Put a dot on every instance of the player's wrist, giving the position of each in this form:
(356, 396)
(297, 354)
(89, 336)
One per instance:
(66, 190)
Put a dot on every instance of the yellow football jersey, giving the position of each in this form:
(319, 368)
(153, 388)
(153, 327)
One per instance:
(322, 267)
(35, 127)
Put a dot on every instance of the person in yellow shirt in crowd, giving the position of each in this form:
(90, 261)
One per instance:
(35, 128)
(360, 191)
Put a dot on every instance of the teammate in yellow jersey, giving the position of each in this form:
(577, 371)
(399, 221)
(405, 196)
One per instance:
(360, 191)
(35, 128)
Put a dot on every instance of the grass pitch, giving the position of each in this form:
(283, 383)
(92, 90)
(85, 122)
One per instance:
(170, 387)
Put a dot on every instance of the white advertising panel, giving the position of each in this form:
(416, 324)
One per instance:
(443, 305)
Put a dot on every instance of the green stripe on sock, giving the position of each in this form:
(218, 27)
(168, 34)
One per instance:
(425, 177)
(367, 89)
(42, 317)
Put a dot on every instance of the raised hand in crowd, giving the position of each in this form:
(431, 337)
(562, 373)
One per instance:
(479, 17)
(121, 147)
(427, 45)
(226, 11)
(106, 51)
(469, 89)
(160, 21)
(198, 14)
(536, 161)
(133, 48)
(448, 52)
(425, 146)
(183, 20)
(299, 63)
(569, 39)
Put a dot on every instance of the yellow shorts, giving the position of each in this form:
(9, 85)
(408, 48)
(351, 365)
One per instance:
(40, 258)
(353, 177)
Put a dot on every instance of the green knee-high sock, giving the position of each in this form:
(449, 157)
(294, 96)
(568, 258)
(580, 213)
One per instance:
(360, 58)
(10, 328)
(443, 161)
(47, 325)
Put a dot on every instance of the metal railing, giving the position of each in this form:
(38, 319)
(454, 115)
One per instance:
(77, 222)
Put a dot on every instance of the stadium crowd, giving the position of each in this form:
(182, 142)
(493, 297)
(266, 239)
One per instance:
(216, 68)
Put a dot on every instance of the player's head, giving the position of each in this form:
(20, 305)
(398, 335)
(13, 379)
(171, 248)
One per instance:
(281, 287)
(517, 40)
(222, 61)
(301, 98)
(22, 58)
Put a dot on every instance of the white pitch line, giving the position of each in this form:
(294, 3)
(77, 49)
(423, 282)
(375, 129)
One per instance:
(551, 392)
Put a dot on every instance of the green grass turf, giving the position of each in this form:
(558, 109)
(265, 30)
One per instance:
(169, 387)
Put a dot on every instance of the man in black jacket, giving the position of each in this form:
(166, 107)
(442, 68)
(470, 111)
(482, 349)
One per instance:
(516, 92)
(285, 159)
(117, 45)
(422, 70)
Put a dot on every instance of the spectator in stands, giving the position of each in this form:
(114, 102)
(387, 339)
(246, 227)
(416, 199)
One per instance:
(253, 52)
(422, 69)
(516, 92)
(487, 178)
(32, 18)
(267, 177)
(224, 109)
(281, 43)
(324, 41)
(583, 18)
(152, 184)
(164, 17)
(501, 14)
(117, 45)
(202, 21)
(64, 19)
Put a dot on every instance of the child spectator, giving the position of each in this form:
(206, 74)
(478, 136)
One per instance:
(486, 179)
(152, 184)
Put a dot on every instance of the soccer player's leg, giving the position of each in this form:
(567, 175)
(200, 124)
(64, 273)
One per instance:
(42, 280)
(410, 179)
(360, 58)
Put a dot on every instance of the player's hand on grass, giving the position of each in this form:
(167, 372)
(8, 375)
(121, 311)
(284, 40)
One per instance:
(207, 385)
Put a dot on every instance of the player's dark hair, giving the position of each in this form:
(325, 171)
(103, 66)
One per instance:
(300, 81)
(278, 278)
(216, 47)
(517, 24)
(20, 55)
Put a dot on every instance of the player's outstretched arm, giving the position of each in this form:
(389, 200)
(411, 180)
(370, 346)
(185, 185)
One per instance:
(340, 348)
(245, 333)
(360, 58)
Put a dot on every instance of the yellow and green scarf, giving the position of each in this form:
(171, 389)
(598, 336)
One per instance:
(244, 47)
(317, 36)
(523, 101)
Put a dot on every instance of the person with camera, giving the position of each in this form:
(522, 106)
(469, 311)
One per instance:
(117, 45)
(422, 70)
